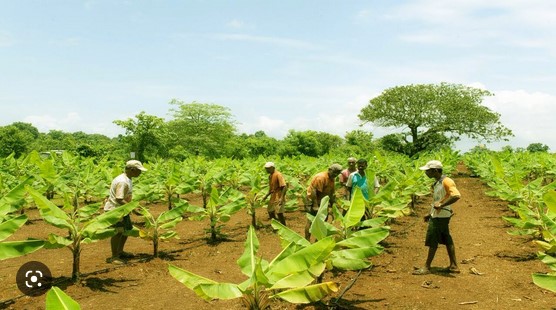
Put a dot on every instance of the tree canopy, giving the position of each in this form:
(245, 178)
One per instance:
(201, 128)
(433, 113)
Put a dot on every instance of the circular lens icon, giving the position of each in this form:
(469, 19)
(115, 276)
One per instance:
(34, 278)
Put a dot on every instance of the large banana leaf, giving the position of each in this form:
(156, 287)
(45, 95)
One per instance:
(248, 260)
(13, 200)
(308, 294)
(318, 228)
(546, 281)
(50, 212)
(108, 219)
(56, 299)
(8, 227)
(12, 249)
(302, 260)
(356, 209)
(203, 287)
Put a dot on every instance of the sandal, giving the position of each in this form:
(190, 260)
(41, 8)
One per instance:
(451, 269)
(126, 255)
(421, 271)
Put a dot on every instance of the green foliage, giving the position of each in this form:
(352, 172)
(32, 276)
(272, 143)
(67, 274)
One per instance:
(201, 128)
(144, 135)
(82, 224)
(219, 208)
(289, 276)
(431, 111)
(537, 147)
(56, 299)
(161, 228)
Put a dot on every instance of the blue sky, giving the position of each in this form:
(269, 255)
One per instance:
(278, 65)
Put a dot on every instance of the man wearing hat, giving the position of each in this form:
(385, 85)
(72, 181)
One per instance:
(277, 188)
(444, 193)
(120, 194)
(322, 184)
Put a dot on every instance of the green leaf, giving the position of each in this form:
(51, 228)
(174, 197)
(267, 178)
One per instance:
(219, 290)
(13, 200)
(302, 260)
(203, 287)
(308, 294)
(549, 199)
(356, 209)
(546, 281)
(318, 229)
(56, 299)
(12, 249)
(50, 212)
(171, 224)
(248, 259)
(172, 214)
(8, 227)
(109, 218)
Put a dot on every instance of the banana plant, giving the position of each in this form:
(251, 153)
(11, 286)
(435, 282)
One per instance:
(289, 276)
(83, 225)
(161, 228)
(56, 299)
(353, 247)
(547, 246)
(220, 206)
(255, 194)
(9, 224)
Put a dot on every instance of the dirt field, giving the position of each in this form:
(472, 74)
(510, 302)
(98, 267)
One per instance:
(504, 264)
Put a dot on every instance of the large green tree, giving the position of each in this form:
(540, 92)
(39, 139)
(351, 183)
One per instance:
(17, 138)
(144, 135)
(201, 128)
(430, 113)
(309, 143)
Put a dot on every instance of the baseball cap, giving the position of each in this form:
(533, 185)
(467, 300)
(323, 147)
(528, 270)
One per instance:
(433, 164)
(269, 164)
(135, 164)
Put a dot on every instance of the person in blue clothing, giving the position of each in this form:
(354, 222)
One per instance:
(359, 179)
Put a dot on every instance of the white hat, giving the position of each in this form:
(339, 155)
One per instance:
(135, 164)
(269, 164)
(433, 164)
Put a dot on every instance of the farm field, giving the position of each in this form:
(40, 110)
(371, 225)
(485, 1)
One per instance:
(505, 264)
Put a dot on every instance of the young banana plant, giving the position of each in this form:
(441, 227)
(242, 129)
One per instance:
(83, 225)
(9, 224)
(353, 247)
(289, 276)
(161, 228)
(220, 206)
(547, 246)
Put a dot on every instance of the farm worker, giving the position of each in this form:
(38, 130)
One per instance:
(344, 175)
(277, 188)
(120, 194)
(359, 179)
(322, 185)
(444, 193)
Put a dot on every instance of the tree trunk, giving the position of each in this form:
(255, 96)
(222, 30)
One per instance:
(75, 273)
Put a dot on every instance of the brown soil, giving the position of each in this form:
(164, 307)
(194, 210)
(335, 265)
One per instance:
(504, 261)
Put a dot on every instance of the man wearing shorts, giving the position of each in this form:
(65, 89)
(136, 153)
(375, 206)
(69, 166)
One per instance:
(120, 193)
(444, 194)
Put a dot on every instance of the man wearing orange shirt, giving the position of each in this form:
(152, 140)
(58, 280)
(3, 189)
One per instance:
(323, 184)
(277, 188)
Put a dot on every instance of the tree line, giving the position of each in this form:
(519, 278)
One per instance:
(428, 116)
